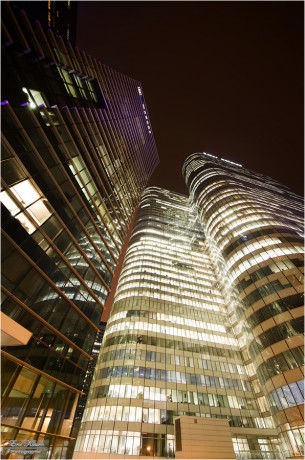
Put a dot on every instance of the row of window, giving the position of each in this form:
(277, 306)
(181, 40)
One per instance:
(172, 344)
(174, 298)
(253, 247)
(170, 330)
(156, 416)
(158, 291)
(287, 396)
(174, 359)
(201, 181)
(236, 223)
(267, 289)
(158, 316)
(230, 201)
(273, 308)
(170, 252)
(168, 270)
(175, 396)
(126, 443)
(289, 359)
(254, 448)
(245, 264)
(172, 376)
(199, 311)
(279, 265)
(267, 195)
(144, 281)
(139, 276)
(276, 334)
(258, 233)
(77, 87)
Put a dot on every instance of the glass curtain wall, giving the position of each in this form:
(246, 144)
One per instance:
(256, 225)
(77, 152)
(169, 348)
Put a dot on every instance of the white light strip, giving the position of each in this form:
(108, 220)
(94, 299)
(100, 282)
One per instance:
(231, 162)
(144, 110)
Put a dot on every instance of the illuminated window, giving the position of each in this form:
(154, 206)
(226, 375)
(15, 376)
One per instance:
(65, 76)
(9, 203)
(25, 192)
(36, 98)
(28, 196)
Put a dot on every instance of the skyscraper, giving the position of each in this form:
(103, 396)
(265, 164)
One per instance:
(206, 322)
(77, 152)
(257, 226)
(60, 16)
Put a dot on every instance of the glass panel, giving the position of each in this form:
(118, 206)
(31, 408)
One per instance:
(39, 212)
(9, 203)
(25, 192)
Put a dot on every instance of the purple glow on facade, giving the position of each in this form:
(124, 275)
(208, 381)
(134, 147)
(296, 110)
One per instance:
(4, 102)
(24, 104)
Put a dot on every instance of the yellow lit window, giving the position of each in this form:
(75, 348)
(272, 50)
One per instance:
(29, 197)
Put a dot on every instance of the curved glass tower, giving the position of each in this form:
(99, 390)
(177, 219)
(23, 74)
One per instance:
(174, 346)
(256, 225)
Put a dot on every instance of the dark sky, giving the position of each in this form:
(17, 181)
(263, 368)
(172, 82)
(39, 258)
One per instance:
(221, 77)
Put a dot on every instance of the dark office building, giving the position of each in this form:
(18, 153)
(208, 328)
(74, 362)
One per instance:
(77, 152)
(60, 16)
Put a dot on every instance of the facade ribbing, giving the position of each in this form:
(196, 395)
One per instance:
(77, 152)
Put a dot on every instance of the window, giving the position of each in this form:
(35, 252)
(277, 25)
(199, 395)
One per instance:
(28, 196)
(36, 98)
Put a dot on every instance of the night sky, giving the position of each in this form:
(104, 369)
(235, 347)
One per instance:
(221, 77)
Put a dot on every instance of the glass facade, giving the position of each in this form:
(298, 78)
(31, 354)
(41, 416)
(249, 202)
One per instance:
(256, 227)
(176, 342)
(77, 152)
(207, 319)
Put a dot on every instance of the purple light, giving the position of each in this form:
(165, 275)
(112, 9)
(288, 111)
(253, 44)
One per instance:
(4, 102)
(24, 104)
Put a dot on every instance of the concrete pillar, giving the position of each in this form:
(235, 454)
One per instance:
(204, 438)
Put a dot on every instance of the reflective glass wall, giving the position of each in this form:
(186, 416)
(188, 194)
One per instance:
(77, 151)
